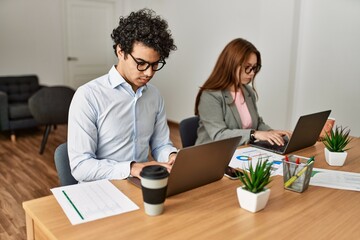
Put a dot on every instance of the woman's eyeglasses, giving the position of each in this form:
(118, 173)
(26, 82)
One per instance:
(256, 69)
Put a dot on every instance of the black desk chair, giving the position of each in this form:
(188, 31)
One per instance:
(188, 131)
(50, 106)
(62, 165)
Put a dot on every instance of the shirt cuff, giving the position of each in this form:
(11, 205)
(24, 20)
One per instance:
(164, 155)
(174, 152)
(121, 170)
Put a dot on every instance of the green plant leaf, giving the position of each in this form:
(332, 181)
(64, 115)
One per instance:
(256, 179)
(338, 139)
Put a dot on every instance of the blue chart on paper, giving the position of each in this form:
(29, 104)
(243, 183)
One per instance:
(250, 155)
(243, 158)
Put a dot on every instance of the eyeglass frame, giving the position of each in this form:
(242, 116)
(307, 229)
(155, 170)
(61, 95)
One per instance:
(148, 64)
(256, 69)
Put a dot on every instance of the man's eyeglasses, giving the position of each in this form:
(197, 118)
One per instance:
(143, 65)
(256, 69)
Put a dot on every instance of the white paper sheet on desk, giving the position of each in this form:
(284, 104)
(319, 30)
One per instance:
(255, 154)
(335, 179)
(93, 200)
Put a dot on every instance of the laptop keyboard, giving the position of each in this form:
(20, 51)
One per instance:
(267, 145)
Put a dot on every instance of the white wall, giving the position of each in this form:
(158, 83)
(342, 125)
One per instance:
(309, 48)
(328, 72)
(201, 30)
(31, 39)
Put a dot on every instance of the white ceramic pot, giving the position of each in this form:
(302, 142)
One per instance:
(335, 158)
(252, 202)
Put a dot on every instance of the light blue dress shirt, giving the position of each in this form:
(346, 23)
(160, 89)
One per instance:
(110, 126)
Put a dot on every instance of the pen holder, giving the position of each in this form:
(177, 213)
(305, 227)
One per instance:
(297, 173)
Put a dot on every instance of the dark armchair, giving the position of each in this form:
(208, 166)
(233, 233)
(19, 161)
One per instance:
(14, 110)
(50, 106)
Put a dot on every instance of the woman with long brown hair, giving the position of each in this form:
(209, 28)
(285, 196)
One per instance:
(226, 103)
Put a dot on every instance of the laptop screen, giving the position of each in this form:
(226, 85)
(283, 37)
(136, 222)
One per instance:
(198, 165)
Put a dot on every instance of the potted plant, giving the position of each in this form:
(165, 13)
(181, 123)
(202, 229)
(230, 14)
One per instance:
(253, 195)
(335, 146)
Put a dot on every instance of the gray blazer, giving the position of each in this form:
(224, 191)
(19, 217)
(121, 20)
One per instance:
(220, 119)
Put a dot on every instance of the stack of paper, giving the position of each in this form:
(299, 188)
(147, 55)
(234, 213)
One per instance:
(93, 200)
(335, 179)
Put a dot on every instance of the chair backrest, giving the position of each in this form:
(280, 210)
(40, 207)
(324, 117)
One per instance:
(50, 105)
(19, 88)
(188, 131)
(62, 165)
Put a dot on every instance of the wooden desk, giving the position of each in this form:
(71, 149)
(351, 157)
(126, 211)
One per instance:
(213, 212)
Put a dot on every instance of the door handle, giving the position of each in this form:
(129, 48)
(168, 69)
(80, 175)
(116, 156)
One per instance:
(72, 58)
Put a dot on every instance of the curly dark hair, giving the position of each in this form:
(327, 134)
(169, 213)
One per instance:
(146, 27)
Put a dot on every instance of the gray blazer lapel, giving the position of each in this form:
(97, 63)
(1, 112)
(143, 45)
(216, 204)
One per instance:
(229, 103)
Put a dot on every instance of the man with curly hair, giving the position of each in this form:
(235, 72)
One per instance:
(117, 119)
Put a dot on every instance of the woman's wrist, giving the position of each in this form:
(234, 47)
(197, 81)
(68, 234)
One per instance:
(252, 135)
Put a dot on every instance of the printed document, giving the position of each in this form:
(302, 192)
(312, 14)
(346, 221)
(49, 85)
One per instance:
(93, 200)
(335, 179)
(251, 155)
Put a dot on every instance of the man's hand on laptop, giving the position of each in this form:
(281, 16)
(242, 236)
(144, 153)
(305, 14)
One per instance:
(273, 136)
(172, 158)
(135, 167)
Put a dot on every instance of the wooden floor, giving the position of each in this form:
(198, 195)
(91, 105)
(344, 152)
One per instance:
(25, 174)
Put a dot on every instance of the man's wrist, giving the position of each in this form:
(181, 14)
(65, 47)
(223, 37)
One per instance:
(172, 153)
(131, 166)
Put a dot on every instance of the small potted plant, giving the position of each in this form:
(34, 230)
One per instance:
(253, 195)
(335, 146)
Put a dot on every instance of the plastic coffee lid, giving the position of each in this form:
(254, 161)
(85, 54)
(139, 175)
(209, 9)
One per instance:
(154, 172)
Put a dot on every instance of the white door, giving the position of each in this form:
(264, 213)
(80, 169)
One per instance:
(89, 45)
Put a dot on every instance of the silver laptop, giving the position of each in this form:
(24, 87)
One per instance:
(305, 134)
(199, 165)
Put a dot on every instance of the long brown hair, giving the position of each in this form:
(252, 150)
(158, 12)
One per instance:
(225, 73)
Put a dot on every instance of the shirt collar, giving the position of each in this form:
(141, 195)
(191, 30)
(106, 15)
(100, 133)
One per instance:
(115, 79)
